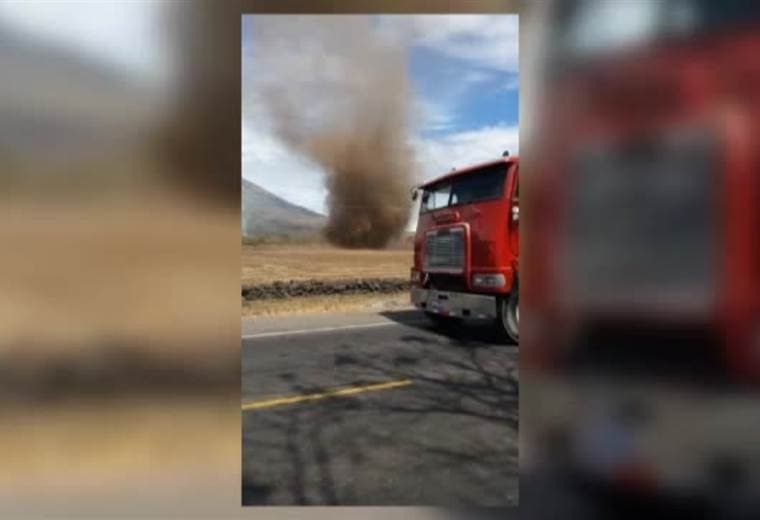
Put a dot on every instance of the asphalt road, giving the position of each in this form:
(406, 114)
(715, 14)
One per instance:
(378, 409)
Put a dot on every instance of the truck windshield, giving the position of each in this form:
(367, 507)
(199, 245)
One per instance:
(477, 186)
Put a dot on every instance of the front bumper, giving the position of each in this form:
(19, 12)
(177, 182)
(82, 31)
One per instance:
(457, 304)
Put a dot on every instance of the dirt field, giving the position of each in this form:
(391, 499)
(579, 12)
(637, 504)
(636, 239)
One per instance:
(266, 264)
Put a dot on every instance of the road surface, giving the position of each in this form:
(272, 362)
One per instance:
(377, 409)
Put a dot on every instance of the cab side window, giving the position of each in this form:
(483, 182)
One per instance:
(436, 198)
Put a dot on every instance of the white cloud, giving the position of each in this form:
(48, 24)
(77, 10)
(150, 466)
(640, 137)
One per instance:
(487, 41)
(475, 76)
(270, 164)
(434, 116)
(438, 155)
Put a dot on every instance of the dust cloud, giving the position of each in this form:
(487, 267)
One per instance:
(337, 91)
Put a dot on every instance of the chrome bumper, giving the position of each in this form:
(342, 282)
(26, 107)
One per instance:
(447, 303)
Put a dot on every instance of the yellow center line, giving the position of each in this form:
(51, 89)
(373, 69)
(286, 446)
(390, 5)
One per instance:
(341, 392)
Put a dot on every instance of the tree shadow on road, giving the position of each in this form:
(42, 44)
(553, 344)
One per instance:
(447, 439)
(466, 332)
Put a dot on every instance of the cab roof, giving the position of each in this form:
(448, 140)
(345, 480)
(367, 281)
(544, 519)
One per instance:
(468, 169)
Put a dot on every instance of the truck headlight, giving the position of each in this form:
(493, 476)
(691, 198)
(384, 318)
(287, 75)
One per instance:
(488, 280)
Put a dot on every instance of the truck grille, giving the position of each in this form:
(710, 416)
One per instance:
(444, 250)
(643, 226)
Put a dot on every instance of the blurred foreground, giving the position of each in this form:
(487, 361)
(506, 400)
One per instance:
(119, 336)
(641, 300)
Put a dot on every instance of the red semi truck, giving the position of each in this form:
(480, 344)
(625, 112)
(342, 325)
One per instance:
(467, 245)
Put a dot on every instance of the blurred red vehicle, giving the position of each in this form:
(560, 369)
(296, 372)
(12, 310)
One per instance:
(641, 271)
(643, 206)
(466, 247)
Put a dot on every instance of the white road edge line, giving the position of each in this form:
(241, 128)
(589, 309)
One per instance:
(327, 329)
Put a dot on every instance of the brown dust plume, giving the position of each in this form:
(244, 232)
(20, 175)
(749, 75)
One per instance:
(337, 91)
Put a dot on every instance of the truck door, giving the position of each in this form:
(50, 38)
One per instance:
(514, 213)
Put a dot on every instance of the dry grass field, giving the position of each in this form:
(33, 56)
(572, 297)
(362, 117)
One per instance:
(78, 274)
(269, 263)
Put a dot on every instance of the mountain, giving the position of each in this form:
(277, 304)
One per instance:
(264, 213)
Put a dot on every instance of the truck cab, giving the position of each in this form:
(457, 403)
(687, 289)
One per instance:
(466, 247)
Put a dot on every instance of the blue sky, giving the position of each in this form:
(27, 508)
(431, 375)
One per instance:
(473, 97)
(463, 71)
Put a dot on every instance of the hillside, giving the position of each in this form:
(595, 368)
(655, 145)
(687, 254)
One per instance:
(264, 213)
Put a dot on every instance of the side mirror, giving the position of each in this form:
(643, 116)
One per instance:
(415, 194)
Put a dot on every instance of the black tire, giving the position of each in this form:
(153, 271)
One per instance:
(508, 319)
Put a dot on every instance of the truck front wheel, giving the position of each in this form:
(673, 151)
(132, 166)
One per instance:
(508, 319)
